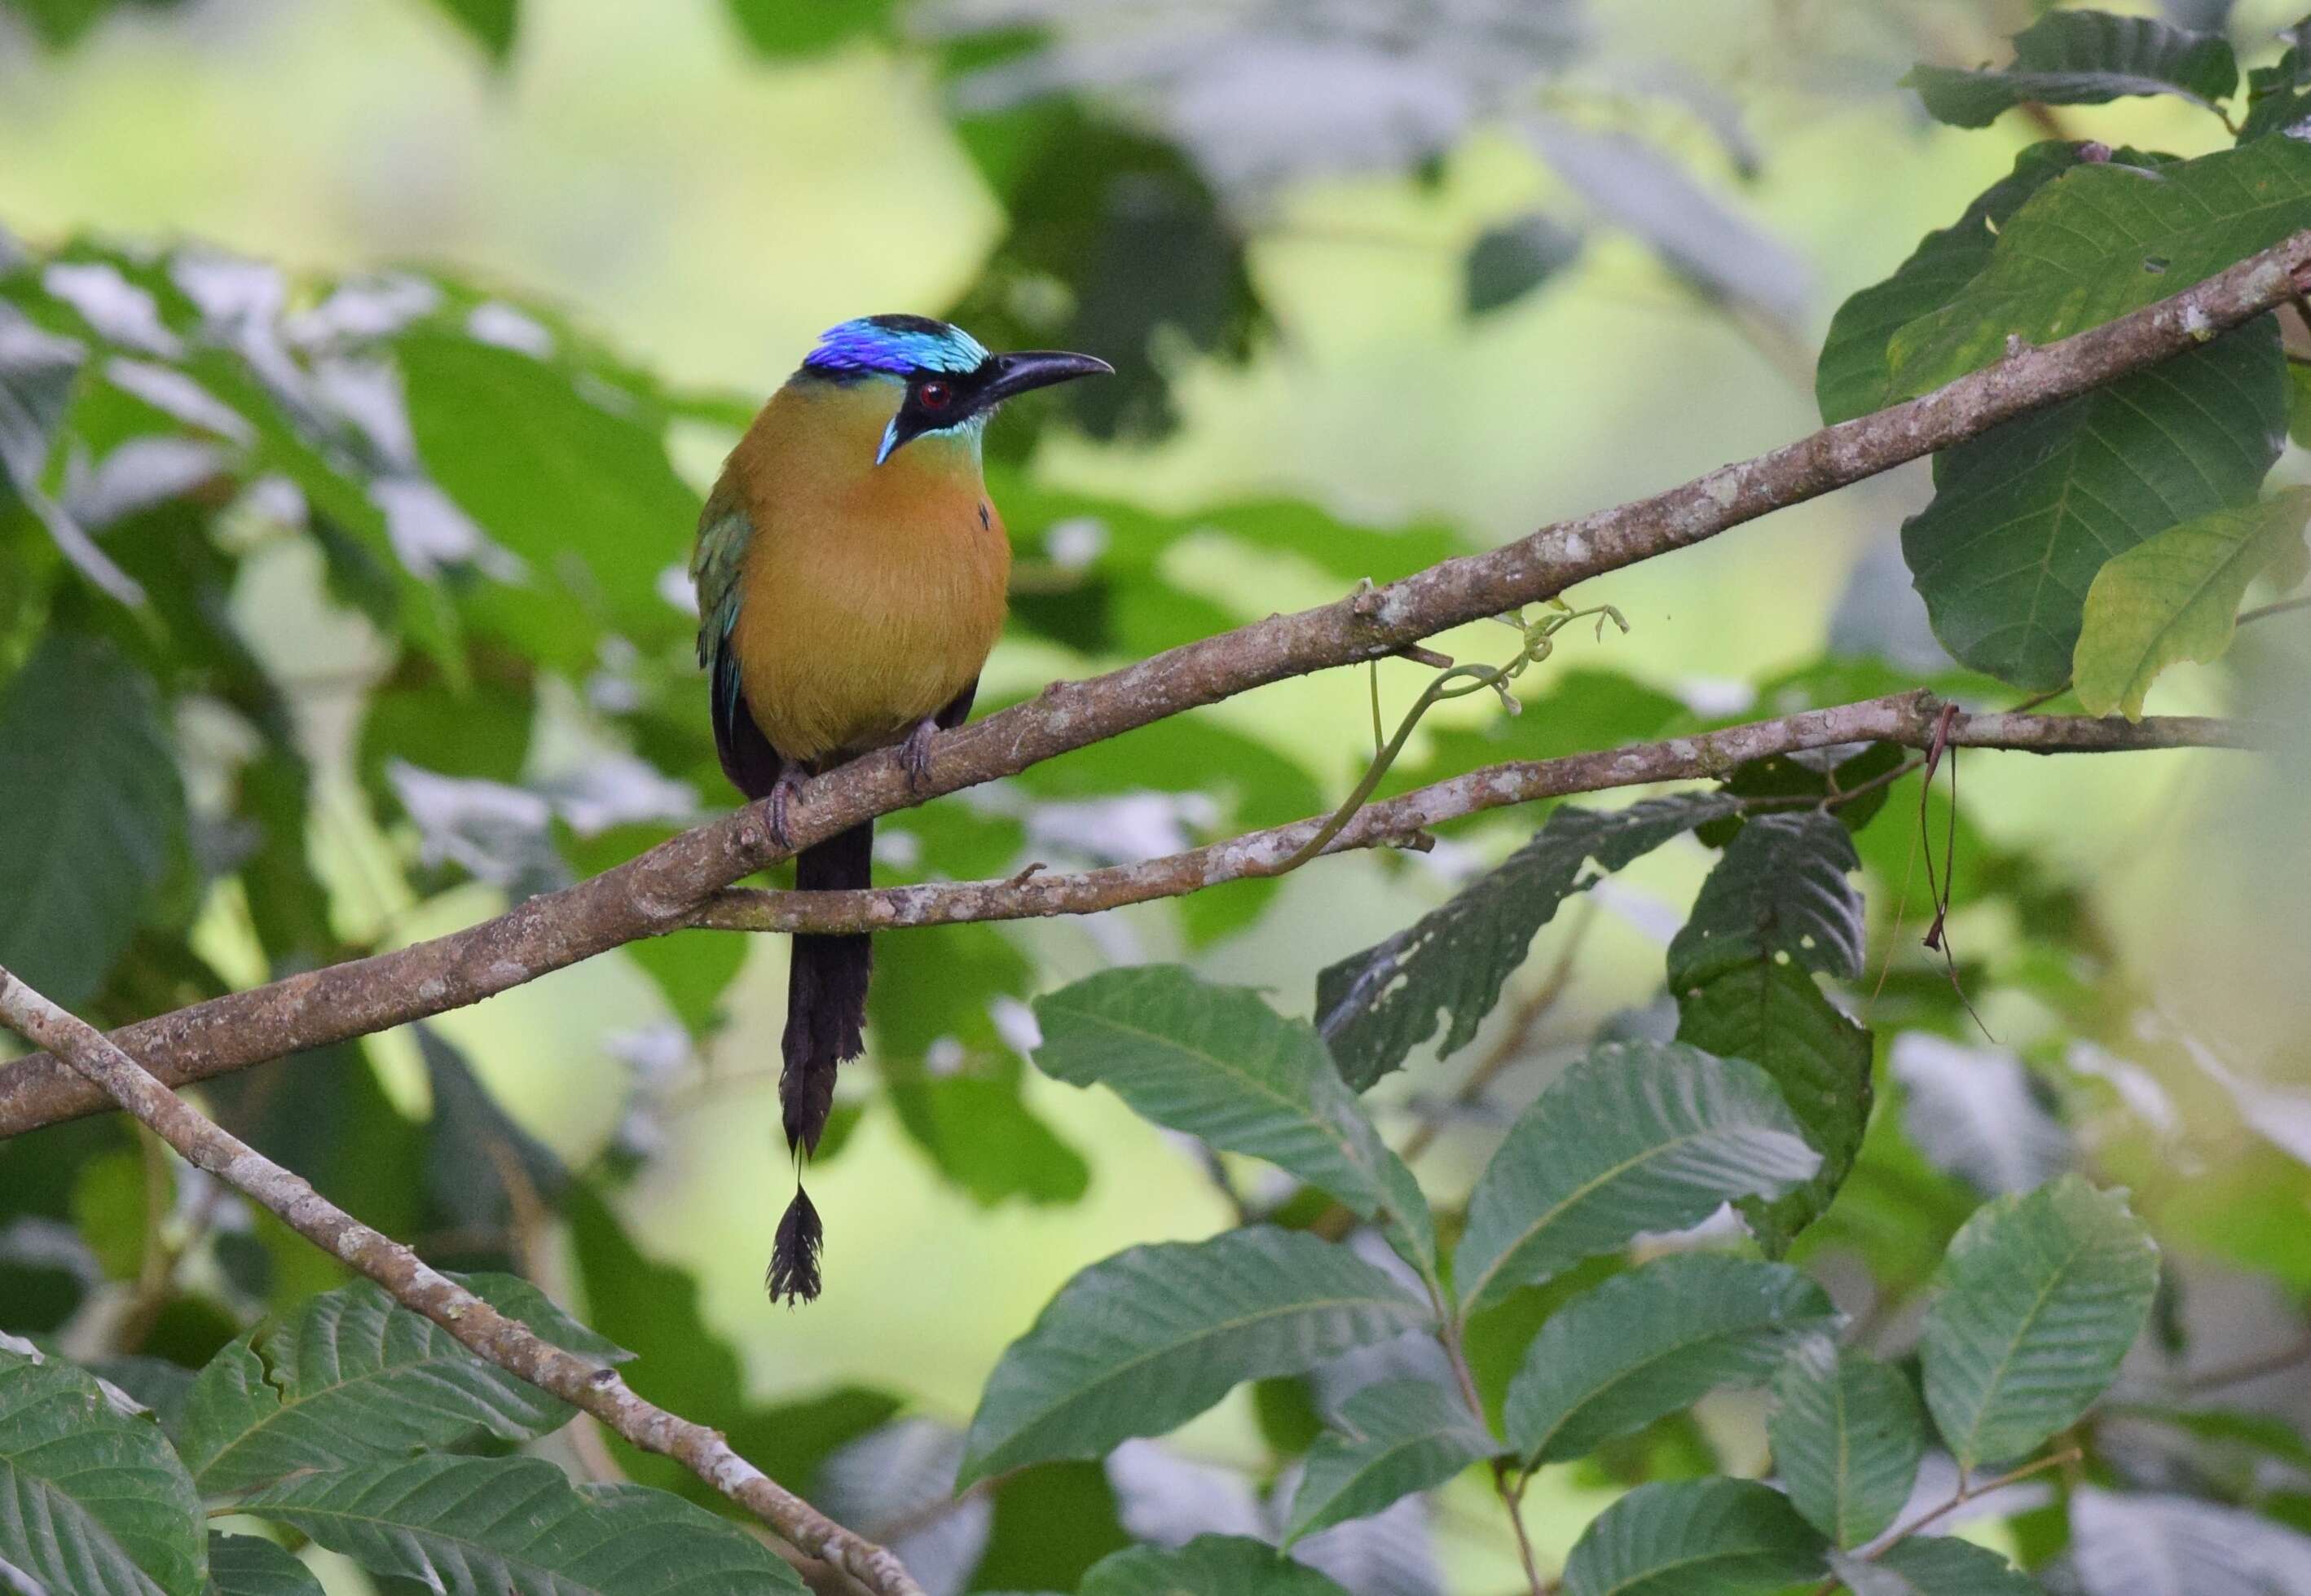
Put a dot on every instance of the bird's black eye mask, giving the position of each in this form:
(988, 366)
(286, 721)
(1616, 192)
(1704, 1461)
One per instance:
(937, 401)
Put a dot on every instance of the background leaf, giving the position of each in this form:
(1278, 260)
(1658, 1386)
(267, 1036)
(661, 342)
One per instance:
(2176, 597)
(486, 1526)
(1510, 261)
(1395, 1437)
(1637, 1137)
(1847, 1434)
(2036, 1302)
(91, 1501)
(1726, 1537)
(2152, 1544)
(1208, 1566)
(2083, 57)
(1143, 1341)
(1652, 1342)
(1933, 1565)
(492, 24)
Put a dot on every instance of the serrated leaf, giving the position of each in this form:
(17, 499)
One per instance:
(516, 1527)
(1375, 1008)
(2148, 1544)
(1695, 1537)
(1637, 1137)
(1932, 1565)
(358, 1377)
(94, 815)
(1854, 375)
(2176, 597)
(1776, 1016)
(2024, 516)
(2105, 239)
(1781, 893)
(1218, 1063)
(250, 1566)
(1847, 1434)
(1208, 1566)
(91, 1500)
(1653, 1342)
(1508, 262)
(1396, 1437)
(2036, 1301)
(1143, 1341)
(2083, 57)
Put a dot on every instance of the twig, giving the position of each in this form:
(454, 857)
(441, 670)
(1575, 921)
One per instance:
(595, 1388)
(664, 888)
(2279, 607)
(1966, 1492)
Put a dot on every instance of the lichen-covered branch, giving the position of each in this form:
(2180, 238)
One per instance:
(664, 888)
(595, 1388)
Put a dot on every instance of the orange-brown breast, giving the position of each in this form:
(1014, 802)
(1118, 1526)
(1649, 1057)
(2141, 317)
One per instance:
(873, 594)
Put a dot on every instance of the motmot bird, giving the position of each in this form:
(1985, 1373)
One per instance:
(851, 577)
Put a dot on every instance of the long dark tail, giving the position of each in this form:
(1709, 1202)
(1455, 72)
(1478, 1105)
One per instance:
(826, 1015)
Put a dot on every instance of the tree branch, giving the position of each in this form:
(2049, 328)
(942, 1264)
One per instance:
(662, 890)
(595, 1388)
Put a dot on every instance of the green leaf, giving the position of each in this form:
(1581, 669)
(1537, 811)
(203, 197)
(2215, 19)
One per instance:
(1637, 1137)
(2176, 597)
(251, 1565)
(984, 1138)
(2037, 1299)
(2102, 239)
(2083, 57)
(786, 29)
(2024, 516)
(38, 371)
(481, 1167)
(91, 1501)
(1143, 1341)
(491, 23)
(1855, 374)
(1653, 1342)
(1780, 893)
(487, 1526)
(1695, 1537)
(1811, 774)
(1377, 1006)
(358, 1377)
(1508, 262)
(1208, 1566)
(1396, 1436)
(1847, 1435)
(1932, 1565)
(94, 818)
(1217, 1062)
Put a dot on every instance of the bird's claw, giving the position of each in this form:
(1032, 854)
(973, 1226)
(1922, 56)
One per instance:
(781, 796)
(915, 754)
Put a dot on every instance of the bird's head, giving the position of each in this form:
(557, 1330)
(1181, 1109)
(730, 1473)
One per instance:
(948, 381)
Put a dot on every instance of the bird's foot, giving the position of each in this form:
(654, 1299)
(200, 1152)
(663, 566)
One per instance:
(781, 796)
(915, 753)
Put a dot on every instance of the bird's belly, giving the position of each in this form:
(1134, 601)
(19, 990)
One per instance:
(842, 648)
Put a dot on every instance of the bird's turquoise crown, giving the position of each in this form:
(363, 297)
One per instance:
(895, 346)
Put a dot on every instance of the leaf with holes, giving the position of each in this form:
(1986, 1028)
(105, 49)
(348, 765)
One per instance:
(2037, 1299)
(1854, 375)
(359, 1377)
(1780, 893)
(94, 818)
(1143, 1341)
(1932, 1565)
(1208, 1566)
(1375, 1008)
(1722, 1537)
(1847, 1435)
(1653, 1342)
(1396, 1437)
(2104, 239)
(2024, 516)
(1217, 1062)
(92, 1499)
(2083, 57)
(1637, 1137)
(2176, 597)
(487, 1526)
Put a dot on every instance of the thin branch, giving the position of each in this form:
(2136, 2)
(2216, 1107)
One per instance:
(595, 1388)
(2282, 607)
(662, 889)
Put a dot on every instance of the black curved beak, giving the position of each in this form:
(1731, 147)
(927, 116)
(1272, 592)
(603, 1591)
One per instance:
(1016, 374)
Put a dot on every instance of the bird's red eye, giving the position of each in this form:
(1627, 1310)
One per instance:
(935, 396)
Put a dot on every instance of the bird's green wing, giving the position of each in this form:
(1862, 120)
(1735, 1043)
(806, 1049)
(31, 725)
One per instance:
(724, 530)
